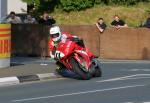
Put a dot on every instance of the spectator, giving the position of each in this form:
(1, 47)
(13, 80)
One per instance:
(30, 20)
(101, 25)
(147, 22)
(118, 23)
(13, 18)
(47, 20)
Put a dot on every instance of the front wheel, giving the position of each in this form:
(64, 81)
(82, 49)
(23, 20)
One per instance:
(77, 69)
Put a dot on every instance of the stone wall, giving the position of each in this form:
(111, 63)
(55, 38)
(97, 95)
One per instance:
(125, 43)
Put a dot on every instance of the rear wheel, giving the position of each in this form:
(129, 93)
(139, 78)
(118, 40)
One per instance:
(77, 69)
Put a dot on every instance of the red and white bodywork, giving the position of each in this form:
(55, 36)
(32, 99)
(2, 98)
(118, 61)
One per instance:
(67, 49)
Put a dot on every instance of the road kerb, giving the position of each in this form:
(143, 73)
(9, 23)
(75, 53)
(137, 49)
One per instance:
(27, 78)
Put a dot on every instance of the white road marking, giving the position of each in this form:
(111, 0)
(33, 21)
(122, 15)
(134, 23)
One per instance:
(128, 102)
(117, 62)
(136, 102)
(134, 70)
(76, 93)
(136, 76)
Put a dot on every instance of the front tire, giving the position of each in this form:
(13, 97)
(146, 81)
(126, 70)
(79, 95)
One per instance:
(77, 69)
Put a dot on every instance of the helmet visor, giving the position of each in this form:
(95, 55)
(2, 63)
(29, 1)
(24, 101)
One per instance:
(55, 35)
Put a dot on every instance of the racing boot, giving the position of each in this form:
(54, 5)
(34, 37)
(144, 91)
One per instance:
(95, 69)
(61, 70)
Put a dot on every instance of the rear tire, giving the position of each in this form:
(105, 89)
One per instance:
(77, 69)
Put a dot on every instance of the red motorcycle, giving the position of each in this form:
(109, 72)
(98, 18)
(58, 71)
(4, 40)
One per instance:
(77, 59)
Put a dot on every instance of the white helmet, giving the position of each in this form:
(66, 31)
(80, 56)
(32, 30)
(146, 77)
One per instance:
(55, 33)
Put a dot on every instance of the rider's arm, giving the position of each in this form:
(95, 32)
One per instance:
(51, 49)
(77, 40)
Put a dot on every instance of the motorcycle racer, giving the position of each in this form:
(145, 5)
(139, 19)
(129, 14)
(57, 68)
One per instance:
(55, 37)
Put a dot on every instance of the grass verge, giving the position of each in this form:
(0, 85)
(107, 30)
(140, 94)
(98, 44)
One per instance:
(133, 15)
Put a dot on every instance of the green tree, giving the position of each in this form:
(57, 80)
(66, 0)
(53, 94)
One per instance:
(121, 2)
(42, 5)
(75, 5)
(66, 5)
(36, 3)
(72, 5)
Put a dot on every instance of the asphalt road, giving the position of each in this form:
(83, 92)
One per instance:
(122, 82)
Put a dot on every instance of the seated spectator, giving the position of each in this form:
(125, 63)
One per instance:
(13, 18)
(101, 25)
(118, 23)
(46, 19)
(30, 20)
(147, 22)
